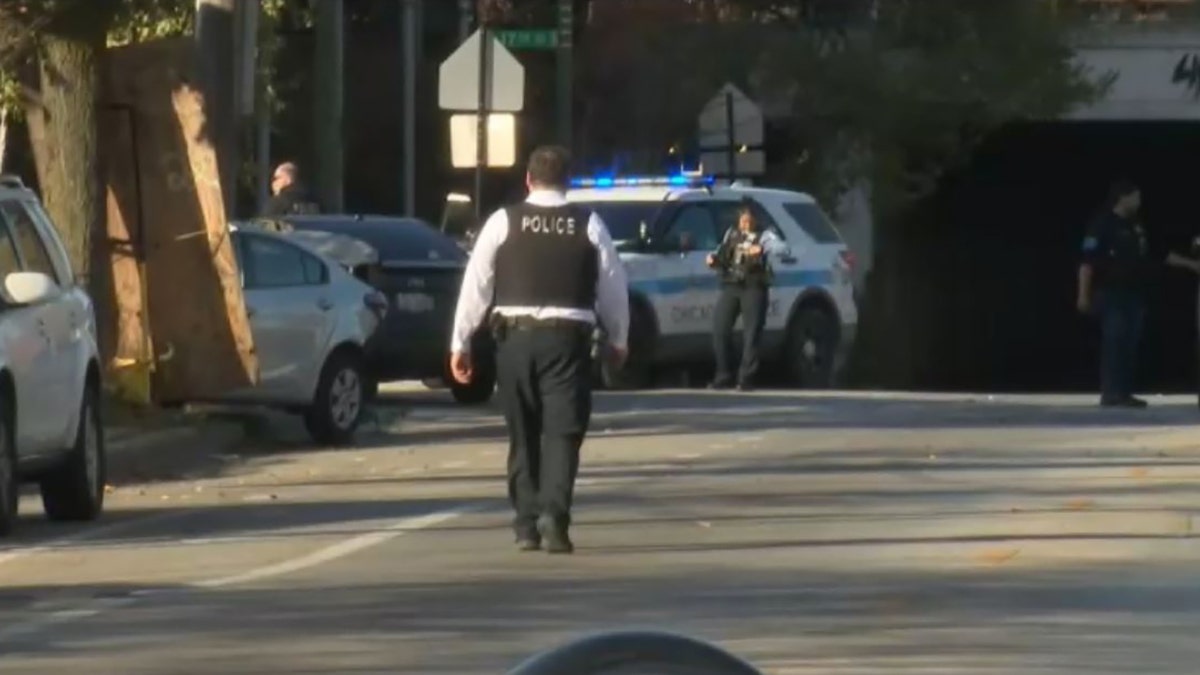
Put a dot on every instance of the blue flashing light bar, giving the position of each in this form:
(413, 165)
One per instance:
(676, 180)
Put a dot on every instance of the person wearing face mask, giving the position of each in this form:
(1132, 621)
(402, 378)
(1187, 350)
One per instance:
(1113, 276)
(745, 268)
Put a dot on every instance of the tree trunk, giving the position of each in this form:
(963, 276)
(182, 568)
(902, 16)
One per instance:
(328, 115)
(3, 137)
(65, 145)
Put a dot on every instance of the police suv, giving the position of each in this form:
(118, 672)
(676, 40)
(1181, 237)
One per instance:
(665, 227)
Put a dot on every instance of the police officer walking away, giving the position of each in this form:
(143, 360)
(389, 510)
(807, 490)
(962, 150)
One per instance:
(742, 261)
(549, 268)
(1112, 283)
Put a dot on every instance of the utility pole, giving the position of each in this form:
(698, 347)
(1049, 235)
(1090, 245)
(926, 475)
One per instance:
(215, 74)
(411, 18)
(328, 109)
(466, 17)
(566, 45)
(246, 91)
(3, 137)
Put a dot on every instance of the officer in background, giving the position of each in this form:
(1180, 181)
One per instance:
(1190, 262)
(550, 268)
(745, 271)
(1113, 277)
(289, 194)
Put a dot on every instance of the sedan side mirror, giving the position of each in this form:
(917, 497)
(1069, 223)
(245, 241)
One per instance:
(29, 288)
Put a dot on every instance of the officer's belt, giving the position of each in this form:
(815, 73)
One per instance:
(534, 323)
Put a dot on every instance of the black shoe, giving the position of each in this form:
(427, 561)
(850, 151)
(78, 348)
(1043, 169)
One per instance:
(745, 386)
(1128, 402)
(529, 543)
(555, 536)
(720, 384)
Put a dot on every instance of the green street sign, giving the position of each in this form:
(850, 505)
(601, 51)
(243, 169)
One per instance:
(528, 38)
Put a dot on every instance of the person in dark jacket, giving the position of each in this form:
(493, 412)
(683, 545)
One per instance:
(289, 194)
(1113, 276)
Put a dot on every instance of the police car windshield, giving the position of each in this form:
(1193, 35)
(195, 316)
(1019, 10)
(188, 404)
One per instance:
(624, 218)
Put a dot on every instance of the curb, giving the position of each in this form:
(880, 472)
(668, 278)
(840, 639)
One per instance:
(172, 453)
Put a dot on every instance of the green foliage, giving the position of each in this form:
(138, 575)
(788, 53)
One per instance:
(142, 20)
(909, 94)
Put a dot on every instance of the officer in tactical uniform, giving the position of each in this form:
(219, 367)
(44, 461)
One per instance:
(742, 261)
(1113, 277)
(549, 268)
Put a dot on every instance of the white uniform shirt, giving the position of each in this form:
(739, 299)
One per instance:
(479, 281)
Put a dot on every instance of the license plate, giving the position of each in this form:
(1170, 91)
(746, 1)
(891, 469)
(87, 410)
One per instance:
(414, 303)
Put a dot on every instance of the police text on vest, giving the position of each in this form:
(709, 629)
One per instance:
(548, 224)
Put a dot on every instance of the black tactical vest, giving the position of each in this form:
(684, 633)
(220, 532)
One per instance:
(547, 259)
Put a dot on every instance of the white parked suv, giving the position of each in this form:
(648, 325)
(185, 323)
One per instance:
(50, 426)
(311, 320)
(665, 227)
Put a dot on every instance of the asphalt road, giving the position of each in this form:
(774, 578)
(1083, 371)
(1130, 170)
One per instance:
(828, 533)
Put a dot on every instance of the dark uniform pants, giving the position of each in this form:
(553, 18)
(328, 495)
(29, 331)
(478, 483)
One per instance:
(749, 300)
(1121, 317)
(545, 387)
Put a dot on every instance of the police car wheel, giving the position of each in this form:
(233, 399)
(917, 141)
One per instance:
(811, 347)
(638, 371)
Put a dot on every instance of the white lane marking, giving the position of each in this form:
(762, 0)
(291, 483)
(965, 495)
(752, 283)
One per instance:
(321, 556)
(61, 617)
(339, 550)
(88, 534)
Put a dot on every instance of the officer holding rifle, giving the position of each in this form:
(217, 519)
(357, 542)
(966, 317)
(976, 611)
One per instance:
(745, 269)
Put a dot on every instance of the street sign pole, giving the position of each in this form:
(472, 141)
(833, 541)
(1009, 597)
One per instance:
(566, 25)
(485, 67)
(410, 32)
(466, 11)
(729, 137)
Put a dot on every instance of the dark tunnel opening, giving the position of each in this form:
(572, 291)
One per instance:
(998, 247)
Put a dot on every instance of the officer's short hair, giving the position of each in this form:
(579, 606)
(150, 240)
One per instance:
(550, 165)
(1121, 188)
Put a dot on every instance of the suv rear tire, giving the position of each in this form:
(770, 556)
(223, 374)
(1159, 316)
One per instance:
(338, 404)
(74, 490)
(9, 496)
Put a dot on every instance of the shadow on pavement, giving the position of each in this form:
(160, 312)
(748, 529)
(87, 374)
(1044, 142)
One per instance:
(639, 414)
(888, 485)
(1093, 619)
(425, 419)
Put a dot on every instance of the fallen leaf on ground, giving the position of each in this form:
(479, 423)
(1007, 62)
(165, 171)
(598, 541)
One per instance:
(997, 556)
